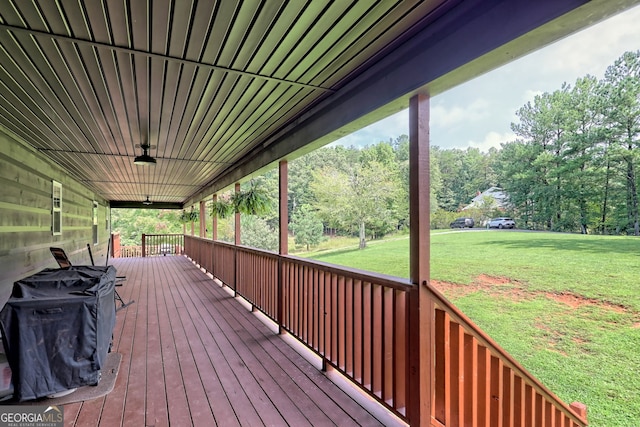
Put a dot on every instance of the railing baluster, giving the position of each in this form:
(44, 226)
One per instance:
(530, 415)
(470, 362)
(357, 331)
(400, 347)
(484, 370)
(507, 396)
(348, 336)
(340, 323)
(387, 340)
(496, 392)
(457, 378)
(367, 368)
(376, 340)
(539, 410)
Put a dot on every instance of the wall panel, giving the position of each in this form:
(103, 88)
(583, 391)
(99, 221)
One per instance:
(25, 215)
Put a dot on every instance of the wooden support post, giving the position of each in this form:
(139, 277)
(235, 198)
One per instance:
(144, 244)
(214, 237)
(203, 217)
(284, 206)
(284, 235)
(237, 224)
(420, 382)
(237, 242)
(214, 225)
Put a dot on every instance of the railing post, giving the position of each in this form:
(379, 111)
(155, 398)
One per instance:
(580, 409)
(144, 249)
(420, 375)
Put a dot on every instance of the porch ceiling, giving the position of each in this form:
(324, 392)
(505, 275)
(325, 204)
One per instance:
(221, 89)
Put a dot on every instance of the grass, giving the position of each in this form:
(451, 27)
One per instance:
(585, 348)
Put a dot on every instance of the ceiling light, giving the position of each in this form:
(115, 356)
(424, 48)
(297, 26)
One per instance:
(147, 201)
(145, 159)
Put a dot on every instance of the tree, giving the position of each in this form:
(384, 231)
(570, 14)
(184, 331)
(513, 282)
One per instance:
(520, 182)
(131, 224)
(584, 149)
(542, 128)
(257, 233)
(622, 116)
(301, 172)
(363, 196)
(306, 226)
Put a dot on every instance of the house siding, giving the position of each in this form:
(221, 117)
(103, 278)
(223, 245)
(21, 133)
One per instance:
(26, 210)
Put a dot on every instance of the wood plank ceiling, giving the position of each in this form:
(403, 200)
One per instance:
(204, 83)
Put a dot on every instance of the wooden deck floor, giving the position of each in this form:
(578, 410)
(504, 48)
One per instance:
(194, 355)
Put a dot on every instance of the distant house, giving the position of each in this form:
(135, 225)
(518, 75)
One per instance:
(497, 197)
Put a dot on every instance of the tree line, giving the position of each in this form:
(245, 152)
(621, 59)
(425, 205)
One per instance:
(574, 166)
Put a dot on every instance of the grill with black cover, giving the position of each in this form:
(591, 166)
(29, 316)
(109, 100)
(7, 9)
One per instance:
(57, 328)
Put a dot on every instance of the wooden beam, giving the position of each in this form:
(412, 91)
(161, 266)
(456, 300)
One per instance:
(135, 204)
(214, 220)
(284, 207)
(237, 217)
(203, 217)
(421, 309)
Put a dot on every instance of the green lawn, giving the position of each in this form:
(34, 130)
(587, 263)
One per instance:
(565, 306)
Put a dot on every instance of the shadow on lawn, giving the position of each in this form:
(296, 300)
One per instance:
(579, 243)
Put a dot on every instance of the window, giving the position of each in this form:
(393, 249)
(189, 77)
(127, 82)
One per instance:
(95, 223)
(56, 210)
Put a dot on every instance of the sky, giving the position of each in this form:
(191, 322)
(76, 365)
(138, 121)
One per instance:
(479, 112)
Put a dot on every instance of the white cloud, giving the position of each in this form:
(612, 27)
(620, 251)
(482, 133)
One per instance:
(457, 114)
(492, 139)
(479, 113)
(593, 49)
(530, 94)
(384, 130)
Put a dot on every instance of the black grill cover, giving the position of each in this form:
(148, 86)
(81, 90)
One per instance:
(57, 328)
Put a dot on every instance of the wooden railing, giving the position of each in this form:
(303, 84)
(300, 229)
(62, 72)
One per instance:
(129, 252)
(479, 383)
(357, 322)
(162, 244)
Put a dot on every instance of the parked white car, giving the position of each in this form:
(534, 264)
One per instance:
(502, 223)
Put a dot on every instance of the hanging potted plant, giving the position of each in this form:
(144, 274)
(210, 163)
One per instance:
(187, 217)
(253, 201)
(221, 208)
